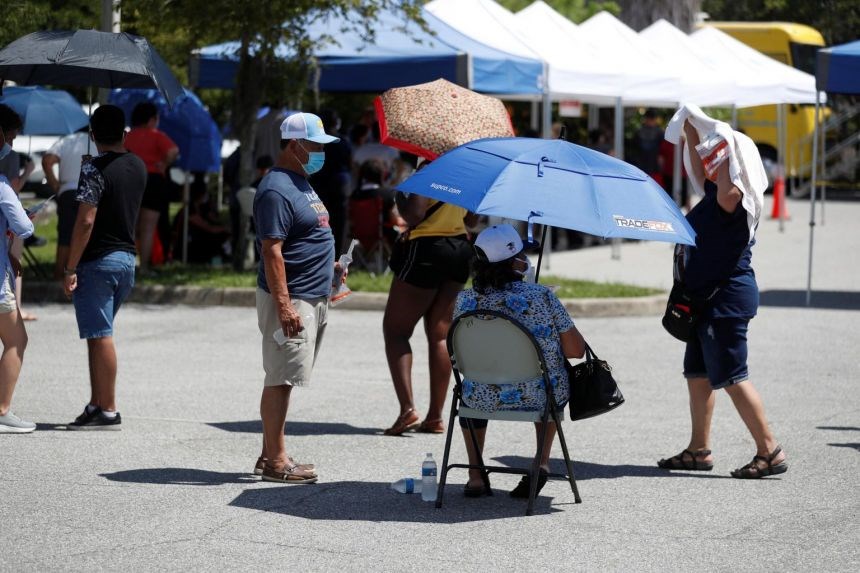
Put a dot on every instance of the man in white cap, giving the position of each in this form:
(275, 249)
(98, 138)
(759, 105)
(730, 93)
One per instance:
(293, 284)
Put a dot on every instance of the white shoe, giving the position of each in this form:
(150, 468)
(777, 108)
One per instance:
(12, 424)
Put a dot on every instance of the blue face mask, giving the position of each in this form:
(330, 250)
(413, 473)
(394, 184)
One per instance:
(5, 150)
(316, 159)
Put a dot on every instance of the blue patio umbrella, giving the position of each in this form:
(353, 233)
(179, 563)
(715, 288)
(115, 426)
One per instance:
(187, 123)
(45, 112)
(556, 183)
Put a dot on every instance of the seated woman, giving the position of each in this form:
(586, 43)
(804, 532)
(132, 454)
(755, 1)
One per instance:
(498, 285)
(208, 238)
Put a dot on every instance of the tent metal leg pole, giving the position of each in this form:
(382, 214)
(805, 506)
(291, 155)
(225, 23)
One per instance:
(781, 163)
(534, 116)
(812, 198)
(186, 199)
(546, 128)
(221, 187)
(619, 153)
(823, 176)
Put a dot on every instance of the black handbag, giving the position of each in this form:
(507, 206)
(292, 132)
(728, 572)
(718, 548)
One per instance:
(593, 390)
(681, 314)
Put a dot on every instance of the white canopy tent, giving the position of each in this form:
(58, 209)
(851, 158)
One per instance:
(577, 67)
(703, 82)
(761, 79)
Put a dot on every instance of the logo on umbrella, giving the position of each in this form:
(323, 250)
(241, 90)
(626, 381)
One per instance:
(644, 224)
(441, 187)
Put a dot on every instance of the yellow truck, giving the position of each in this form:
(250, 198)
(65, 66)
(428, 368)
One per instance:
(794, 45)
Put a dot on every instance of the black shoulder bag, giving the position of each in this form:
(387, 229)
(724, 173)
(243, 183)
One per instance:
(684, 310)
(593, 390)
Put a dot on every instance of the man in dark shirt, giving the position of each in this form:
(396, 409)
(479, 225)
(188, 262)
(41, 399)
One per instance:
(100, 271)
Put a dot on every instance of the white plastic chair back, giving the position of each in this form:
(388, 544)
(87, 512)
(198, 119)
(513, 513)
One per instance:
(494, 351)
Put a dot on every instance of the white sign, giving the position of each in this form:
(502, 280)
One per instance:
(570, 108)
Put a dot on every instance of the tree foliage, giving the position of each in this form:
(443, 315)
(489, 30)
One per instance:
(261, 29)
(574, 10)
(837, 20)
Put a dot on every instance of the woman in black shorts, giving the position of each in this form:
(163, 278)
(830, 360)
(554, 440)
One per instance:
(430, 268)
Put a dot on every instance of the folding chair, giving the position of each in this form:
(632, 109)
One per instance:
(488, 347)
(367, 221)
(33, 264)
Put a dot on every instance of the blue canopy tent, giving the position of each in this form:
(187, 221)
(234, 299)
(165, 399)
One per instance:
(837, 71)
(189, 125)
(402, 54)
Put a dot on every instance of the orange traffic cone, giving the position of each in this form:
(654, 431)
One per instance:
(779, 206)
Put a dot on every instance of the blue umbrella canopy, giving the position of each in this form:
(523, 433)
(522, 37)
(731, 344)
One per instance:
(553, 182)
(188, 124)
(45, 112)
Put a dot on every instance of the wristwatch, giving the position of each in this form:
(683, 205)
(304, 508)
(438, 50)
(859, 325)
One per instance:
(69, 272)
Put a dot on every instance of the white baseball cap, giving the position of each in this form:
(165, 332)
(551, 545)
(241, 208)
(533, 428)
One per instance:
(499, 243)
(305, 126)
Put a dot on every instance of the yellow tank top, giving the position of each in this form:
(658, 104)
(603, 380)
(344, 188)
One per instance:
(447, 221)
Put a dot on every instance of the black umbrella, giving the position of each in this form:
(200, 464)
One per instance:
(87, 58)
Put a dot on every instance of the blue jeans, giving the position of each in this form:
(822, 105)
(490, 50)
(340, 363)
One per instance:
(103, 285)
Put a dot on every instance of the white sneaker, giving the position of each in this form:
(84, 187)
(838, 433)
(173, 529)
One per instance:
(12, 424)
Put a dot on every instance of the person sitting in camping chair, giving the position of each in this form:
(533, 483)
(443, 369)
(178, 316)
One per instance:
(373, 215)
(498, 285)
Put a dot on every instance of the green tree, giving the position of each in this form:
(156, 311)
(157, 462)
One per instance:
(837, 20)
(260, 28)
(574, 10)
(21, 17)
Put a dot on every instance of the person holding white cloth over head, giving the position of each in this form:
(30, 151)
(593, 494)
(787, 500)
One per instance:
(717, 275)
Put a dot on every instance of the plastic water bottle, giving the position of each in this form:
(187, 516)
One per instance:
(407, 485)
(428, 479)
(339, 290)
(281, 338)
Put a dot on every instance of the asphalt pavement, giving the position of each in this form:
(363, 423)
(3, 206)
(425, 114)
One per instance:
(172, 491)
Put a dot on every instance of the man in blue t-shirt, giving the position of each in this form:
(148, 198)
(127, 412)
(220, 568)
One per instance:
(293, 285)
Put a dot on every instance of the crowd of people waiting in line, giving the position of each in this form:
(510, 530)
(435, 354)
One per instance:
(431, 262)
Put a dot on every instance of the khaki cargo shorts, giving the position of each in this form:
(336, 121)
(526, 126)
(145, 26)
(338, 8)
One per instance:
(293, 362)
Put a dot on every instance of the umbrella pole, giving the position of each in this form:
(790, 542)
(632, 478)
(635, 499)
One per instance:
(89, 139)
(540, 253)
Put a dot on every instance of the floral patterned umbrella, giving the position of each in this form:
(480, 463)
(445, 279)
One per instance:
(429, 119)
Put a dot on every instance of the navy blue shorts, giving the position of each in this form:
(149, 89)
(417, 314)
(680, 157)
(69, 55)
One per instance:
(719, 352)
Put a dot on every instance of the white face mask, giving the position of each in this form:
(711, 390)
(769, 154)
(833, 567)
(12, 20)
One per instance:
(5, 150)
(529, 273)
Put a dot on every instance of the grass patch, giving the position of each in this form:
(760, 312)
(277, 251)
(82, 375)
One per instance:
(177, 274)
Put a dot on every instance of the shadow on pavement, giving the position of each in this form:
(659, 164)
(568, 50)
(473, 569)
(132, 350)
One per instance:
(297, 428)
(839, 300)
(375, 501)
(587, 470)
(855, 446)
(40, 427)
(178, 476)
(840, 428)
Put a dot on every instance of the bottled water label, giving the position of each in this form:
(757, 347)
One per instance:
(428, 471)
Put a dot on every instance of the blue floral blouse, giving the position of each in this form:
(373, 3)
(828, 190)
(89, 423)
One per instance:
(539, 310)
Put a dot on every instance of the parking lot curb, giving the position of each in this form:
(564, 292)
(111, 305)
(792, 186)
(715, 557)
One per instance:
(42, 292)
